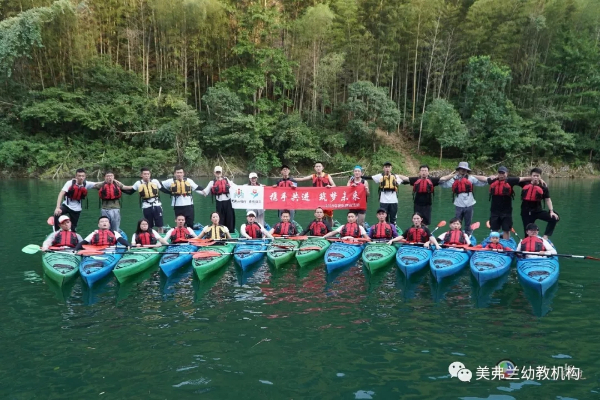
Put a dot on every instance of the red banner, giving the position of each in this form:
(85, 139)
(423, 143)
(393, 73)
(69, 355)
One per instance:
(309, 198)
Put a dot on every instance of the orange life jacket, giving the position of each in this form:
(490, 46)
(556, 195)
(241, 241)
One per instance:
(77, 192)
(65, 239)
(423, 186)
(285, 228)
(253, 230)
(416, 235)
(382, 230)
(145, 238)
(533, 243)
(220, 186)
(501, 188)
(110, 191)
(495, 246)
(455, 237)
(104, 237)
(532, 193)
(320, 181)
(180, 235)
(462, 185)
(317, 228)
(351, 229)
(285, 183)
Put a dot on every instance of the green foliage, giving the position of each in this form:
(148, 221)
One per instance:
(385, 154)
(442, 124)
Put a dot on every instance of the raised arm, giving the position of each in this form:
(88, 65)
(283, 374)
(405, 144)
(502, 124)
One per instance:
(304, 178)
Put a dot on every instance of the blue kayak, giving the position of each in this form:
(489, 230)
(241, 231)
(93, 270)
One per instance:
(94, 268)
(446, 262)
(488, 265)
(180, 255)
(411, 259)
(339, 255)
(538, 273)
(246, 252)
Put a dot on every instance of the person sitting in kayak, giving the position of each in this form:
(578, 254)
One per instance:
(215, 231)
(285, 227)
(319, 226)
(252, 229)
(417, 233)
(146, 237)
(455, 236)
(64, 238)
(494, 243)
(181, 233)
(536, 244)
(103, 236)
(350, 230)
(382, 230)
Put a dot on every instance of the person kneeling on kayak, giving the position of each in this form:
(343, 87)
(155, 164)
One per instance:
(285, 227)
(147, 237)
(181, 233)
(319, 226)
(252, 229)
(455, 236)
(536, 244)
(382, 230)
(495, 244)
(103, 236)
(64, 238)
(350, 230)
(417, 233)
(215, 231)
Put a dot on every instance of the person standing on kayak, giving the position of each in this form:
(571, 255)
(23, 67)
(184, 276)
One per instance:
(350, 230)
(356, 180)
(423, 191)
(462, 183)
(70, 199)
(260, 213)
(110, 192)
(103, 236)
(64, 237)
(219, 187)
(388, 191)
(181, 233)
(535, 244)
(252, 229)
(319, 226)
(286, 181)
(532, 195)
(320, 179)
(417, 233)
(455, 236)
(146, 236)
(382, 230)
(180, 189)
(148, 189)
(285, 227)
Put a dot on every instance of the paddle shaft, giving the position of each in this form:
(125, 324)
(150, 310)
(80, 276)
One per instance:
(535, 253)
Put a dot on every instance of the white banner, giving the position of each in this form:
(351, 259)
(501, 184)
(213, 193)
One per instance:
(247, 197)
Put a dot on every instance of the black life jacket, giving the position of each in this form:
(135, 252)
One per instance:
(148, 191)
(103, 237)
(217, 232)
(65, 239)
(455, 237)
(532, 193)
(76, 192)
(423, 186)
(181, 188)
(317, 228)
(220, 186)
(533, 243)
(110, 191)
(320, 181)
(350, 229)
(416, 235)
(501, 188)
(253, 230)
(495, 246)
(145, 238)
(285, 228)
(388, 183)
(180, 235)
(462, 185)
(382, 230)
(285, 183)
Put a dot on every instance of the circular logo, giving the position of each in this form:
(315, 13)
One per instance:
(508, 368)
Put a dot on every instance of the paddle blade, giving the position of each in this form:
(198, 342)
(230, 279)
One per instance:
(487, 224)
(50, 220)
(441, 224)
(31, 249)
(476, 225)
(298, 237)
(202, 242)
(206, 254)
(92, 247)
(310, 248)
(90, 253)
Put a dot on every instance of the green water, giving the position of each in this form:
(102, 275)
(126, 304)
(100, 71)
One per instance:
(292, 333)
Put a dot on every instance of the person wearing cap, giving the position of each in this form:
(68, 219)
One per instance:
(532, 195)
(64, 237)
(180, 189)
(103, 236)
(417, 233)
(110, 192)
(148, 189)
(388, 191)
(355, 180)
(423, 191)
(70, 197)
(535, 244)
(259, 214)
(219, 187)
(252, 229)
(382, 230)
(318, 226)
(349, 230)
(286, 181)
(462, 183)
(320, 179)
(494, 243)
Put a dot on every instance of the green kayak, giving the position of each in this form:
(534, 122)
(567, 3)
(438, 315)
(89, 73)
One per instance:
(136, 261)
(378, 255)
(205, 265)
(306, 256)
(280, 251)
(61, 266)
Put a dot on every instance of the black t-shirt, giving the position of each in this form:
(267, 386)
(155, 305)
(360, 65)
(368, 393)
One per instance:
(534, 205)
(422, 199)
(503, 204)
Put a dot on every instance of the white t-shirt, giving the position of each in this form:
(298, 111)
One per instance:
(221, 197)
(75, 205)
(151, 202)
(547, 245)
(387, 197)
(190, 230)
(181, 200)
(244, 234)
(89, 237)
(362, 230)
(134, 237)
(464, 199)
(48, 242)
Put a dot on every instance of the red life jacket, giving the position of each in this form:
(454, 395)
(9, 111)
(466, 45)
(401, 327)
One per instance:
(455, 237)
(495, 246)
(253, 230)
(220, 186)
(285, 183)
(317, 228)
(382, 230)
(423, 186)
(65, 238)
(416, 235)
(285, 228)
(462, 185)
(350, 229)
(77, 192)
(104, 237)
(532, 193)
(533, 243)
(109, 191)
(501, 188)
(320, 181)
(145, 238)
(180, 235)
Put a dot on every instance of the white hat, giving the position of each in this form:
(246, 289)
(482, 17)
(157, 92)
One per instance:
(250, 212)
(63, 218)
(218, 168)
(252, 175)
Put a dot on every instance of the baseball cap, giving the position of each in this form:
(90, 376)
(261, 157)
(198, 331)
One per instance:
(381, 210)
(63, 218)
(252, 175)
(503, 169)
(251, 213)
(284, 166)
(495, 234)
(218, 169)
(387, 163)
(532, 227)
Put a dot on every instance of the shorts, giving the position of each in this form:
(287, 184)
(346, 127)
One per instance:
(504, 222)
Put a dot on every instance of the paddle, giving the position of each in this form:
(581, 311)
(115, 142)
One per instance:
(533, 253)
(31, 249)
(515, 232)
(208, 253)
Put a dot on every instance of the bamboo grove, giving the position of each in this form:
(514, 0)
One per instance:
(128, 83)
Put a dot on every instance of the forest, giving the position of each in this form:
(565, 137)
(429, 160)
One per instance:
(122, 84)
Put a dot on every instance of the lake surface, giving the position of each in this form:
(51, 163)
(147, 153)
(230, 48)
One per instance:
(292, 332)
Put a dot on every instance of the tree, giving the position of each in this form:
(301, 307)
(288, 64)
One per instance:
(442, 124)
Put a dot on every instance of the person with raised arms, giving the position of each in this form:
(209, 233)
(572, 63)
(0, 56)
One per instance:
(252, 229)
(318, 226)
(148, 189)
(260, 213)
(535, 244)
(64, 237)
(349, 230)
(110, 192)
(388, 191)
(181, 233)
(417, 233)
(356, 180)
(215, 231)
(462, 183)
(532, 195)
(382, 229)
(455, 236)
(103, 236)
(320, 179)
(219, 187)
(285, 227)
(180, 189)
(286, 181)
(146, 236)
(70, 198)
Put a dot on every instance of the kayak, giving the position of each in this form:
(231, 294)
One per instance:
(141, 259)
(378, 255)
(411, 259)
(94, 268)
(446, 262)
(339, 255)
(306, 256)
(205, 265)
(246, 252)
(538, 273)
(61, 267)
(277, 254)
(488, 265)
(169, 263)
